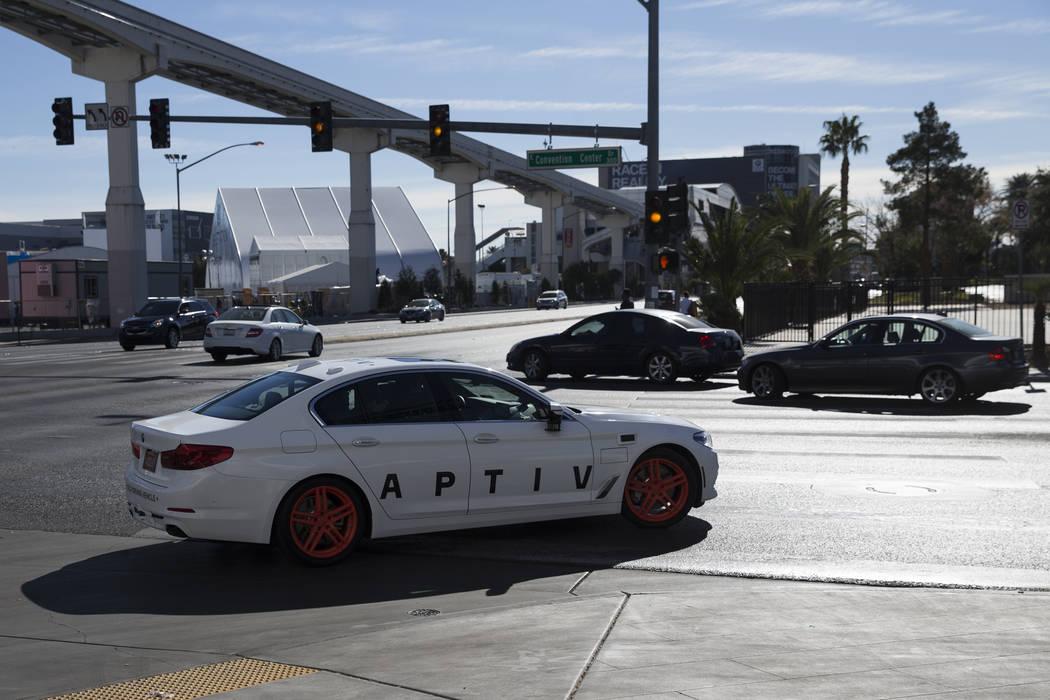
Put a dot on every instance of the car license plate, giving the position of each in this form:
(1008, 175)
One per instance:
(229, 331)
(149, 464)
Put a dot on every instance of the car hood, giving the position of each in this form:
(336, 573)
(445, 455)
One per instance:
(616, 415)
(145, 319)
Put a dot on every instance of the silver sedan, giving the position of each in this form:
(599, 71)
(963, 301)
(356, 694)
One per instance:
(267, 331)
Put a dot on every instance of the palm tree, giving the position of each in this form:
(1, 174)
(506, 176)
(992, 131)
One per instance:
(842, 136)
(805, 228)
(737, 251)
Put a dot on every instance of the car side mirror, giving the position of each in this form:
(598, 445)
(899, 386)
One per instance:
(554, 414)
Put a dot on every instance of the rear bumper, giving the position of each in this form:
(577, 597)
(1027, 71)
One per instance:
(259, 345)
(996, 379)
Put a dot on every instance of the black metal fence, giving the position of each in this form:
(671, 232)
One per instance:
(795, 312)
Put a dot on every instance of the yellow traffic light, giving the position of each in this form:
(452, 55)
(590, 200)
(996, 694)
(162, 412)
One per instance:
(318, 127)
(655, 217)
(438, 131)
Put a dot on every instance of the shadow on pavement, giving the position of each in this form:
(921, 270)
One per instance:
(206, 578)
(627, 384)
(896, 407)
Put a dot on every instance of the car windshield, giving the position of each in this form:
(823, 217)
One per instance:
(243, 314)
(548, 295)
(159, 308)
(257, 397)
(420, 302)
(967, 329)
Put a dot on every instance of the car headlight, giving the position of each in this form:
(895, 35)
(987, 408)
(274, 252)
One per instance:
(703, 437)
(158, 323)
(123, 323)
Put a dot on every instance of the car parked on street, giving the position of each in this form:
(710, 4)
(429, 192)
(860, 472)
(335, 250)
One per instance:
(553, 299)
(942, 359)
(659, 345)
(166, 321)
(320, 455)
(271, 332)
(422, 311)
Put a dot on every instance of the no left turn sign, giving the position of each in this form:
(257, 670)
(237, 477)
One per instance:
(1021, 214)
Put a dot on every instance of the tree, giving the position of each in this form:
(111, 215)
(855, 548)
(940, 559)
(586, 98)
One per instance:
(385, 297)
(841, 137)
(432, 283)
(494, 293)
(806, 228)
(406, 287)
(737, 251)
(923, 160)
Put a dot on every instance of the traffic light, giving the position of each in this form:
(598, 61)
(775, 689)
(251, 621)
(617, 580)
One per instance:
(655, 215)
(676, 203)
(666, 260)
(159, 123)
(320, 126)
(440, 134)
(63, 120)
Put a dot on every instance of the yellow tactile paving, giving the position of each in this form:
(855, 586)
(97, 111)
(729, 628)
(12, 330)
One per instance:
(196, 682)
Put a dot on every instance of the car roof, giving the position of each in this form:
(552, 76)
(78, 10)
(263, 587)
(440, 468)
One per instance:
(326, 370)
(920, 315)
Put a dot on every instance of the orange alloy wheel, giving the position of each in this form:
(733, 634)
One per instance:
(657, 491)
(323, 522)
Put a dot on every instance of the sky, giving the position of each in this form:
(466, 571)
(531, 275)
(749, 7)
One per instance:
(732, 73)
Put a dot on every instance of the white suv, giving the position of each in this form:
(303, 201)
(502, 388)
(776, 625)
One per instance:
(554, 299)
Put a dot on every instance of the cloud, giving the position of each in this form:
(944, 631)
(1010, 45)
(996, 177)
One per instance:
(375, 44)
(1018, 26)
(809, 67)
(588, 52)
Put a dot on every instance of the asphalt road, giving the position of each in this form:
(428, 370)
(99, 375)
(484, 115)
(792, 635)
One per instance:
(832, 488)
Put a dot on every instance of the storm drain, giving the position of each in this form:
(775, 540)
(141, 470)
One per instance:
(197, 682)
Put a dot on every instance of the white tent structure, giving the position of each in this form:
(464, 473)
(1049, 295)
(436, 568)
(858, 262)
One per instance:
(263, 234)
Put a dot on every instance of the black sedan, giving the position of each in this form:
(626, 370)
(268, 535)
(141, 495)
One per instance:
(660, 345)
(422, 310)
(940, 358)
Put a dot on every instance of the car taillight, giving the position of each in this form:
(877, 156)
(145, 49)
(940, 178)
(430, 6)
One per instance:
(188, 457)
(135, 450)
(998, 354)
(253, 333)
(207, 331)
(706, 341)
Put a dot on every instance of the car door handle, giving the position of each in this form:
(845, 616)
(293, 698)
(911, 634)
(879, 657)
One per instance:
(485, 438)
(365, 442)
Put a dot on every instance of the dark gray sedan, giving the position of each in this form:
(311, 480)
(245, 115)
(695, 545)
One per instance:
(422, 310)
(940, 358)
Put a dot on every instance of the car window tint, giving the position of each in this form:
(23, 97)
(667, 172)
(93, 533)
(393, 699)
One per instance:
(480, 398)
(591, 327)
(894, 333)
(184, 308)
(340, 407)
(159, 308)
(294, 317)
(398, 398)
(687, 321)
(257, 397)
(240, 313)
(924, 333)
(857, 334)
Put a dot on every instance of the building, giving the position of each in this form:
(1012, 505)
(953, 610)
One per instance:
(162, 233)
(263, 235)
(760, 170)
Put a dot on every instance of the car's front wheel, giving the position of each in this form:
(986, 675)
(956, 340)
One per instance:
(938, 386)
(128, 347)
(767, 382)
(320, 521)
(535, 365)
(660, 368)
(660, 490)
(171, 341)
(318, 346)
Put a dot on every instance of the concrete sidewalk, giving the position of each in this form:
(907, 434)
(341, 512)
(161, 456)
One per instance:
(82, 611)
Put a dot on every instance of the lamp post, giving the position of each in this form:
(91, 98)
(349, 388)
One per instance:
(177, 159)
(481, 207)
(448, 228)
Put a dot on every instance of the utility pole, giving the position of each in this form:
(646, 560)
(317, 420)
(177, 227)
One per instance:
(652, 126)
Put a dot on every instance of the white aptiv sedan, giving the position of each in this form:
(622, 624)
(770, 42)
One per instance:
(266, 331)
(321, 454)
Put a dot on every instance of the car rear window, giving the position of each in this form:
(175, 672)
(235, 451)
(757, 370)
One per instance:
(967, 329)
(688, 321)
(256, 397)
(243, 314)
(159, 308)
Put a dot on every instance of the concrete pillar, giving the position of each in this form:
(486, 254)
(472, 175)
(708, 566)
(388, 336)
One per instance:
(615, 225)
(576, 220)
(127, 276)
(465, 237)
(548, 201)
(361, 225)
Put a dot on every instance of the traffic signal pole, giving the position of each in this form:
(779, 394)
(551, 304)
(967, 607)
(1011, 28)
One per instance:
(652, 126)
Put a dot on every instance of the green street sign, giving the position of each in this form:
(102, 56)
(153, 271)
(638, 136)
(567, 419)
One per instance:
(559, 158)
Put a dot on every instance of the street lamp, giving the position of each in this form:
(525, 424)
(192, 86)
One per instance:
(448, 228)
(482, 208)
(177, 159)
